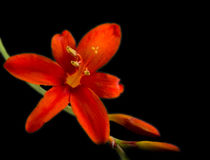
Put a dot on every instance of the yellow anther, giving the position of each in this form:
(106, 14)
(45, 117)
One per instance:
(75, 63)
(87, 72)
(71, 51)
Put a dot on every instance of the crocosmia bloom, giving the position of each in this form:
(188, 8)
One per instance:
(74, 79)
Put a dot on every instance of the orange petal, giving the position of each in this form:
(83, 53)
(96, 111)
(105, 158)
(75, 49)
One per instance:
(157, 146)
(59, 45)
(91, 114)
(35, 69)
(135, 125)
(104, 85)
(99, 45)
(53, 102)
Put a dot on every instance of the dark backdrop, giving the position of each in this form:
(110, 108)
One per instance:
(151, 65)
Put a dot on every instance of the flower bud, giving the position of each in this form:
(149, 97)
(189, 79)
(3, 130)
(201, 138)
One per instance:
(147, 145)
(157, 146)
(135, 125)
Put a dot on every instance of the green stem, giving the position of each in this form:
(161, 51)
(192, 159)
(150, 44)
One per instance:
(121, 153)
(3, 50)
(68, 108)
(41, 91)
(37, 88)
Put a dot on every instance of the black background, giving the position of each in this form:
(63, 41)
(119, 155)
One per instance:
(151, 62)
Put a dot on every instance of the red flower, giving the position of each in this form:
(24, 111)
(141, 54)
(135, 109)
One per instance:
(74, 79)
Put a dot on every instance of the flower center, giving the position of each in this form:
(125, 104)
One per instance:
(73, 80)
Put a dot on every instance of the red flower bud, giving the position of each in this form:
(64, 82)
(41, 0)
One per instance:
(135, 125)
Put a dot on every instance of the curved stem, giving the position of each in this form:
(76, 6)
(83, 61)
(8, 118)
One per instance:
(3, 50)
(121, 153)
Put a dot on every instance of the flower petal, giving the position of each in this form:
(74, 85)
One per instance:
(91, 114)
(59, 45)
(35, 69)
(104, 85)
(99, 45)
(157, 146)
(135, 125)
(53, 102)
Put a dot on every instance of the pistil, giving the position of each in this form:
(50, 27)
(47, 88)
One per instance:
(87, 72)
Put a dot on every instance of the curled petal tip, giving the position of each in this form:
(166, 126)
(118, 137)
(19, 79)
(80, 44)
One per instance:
(122, 88)
(104, 85)
(116, 29)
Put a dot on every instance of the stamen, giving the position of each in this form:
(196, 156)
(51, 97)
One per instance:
(87, 72)
(95, 49)
(75, 63)
(71, 51)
